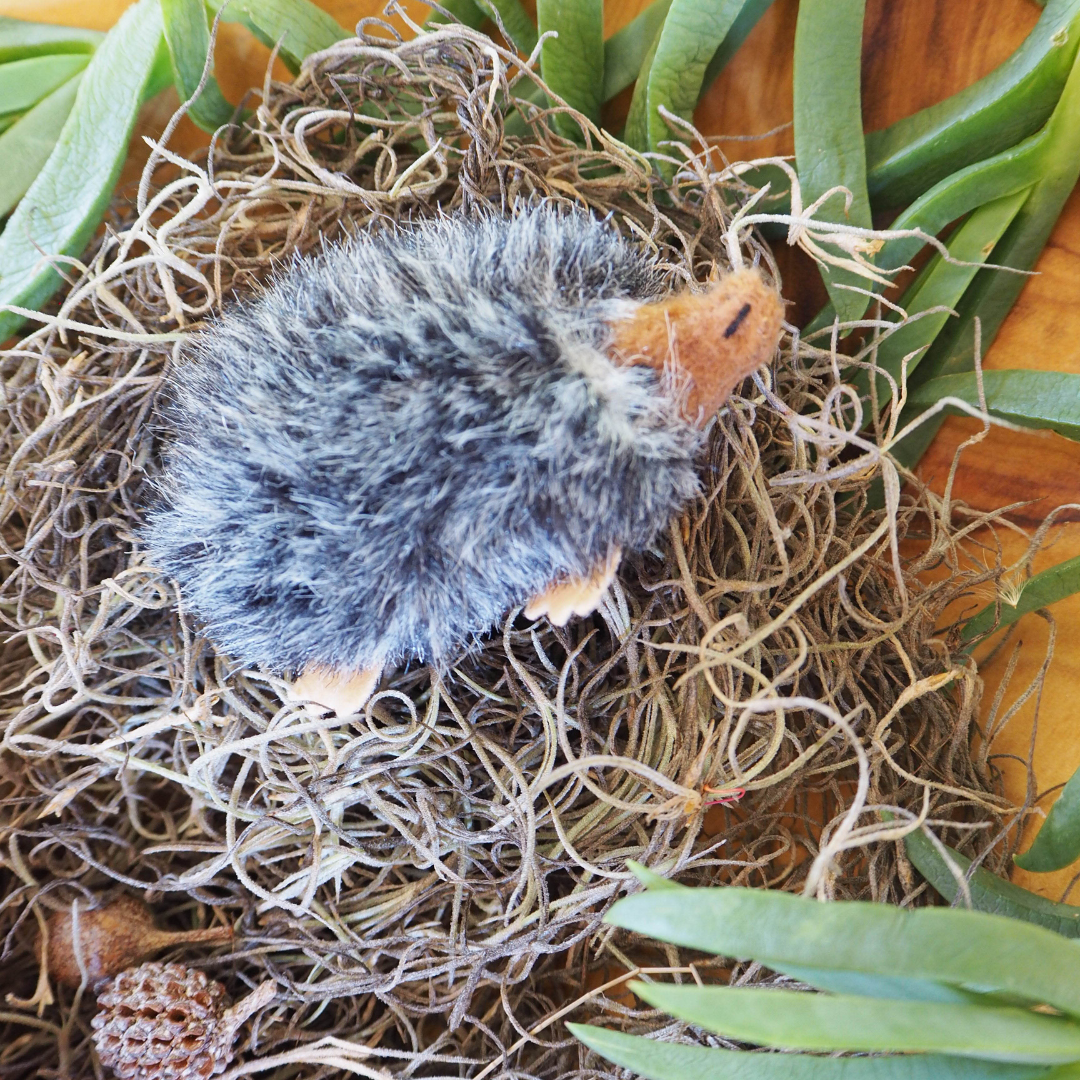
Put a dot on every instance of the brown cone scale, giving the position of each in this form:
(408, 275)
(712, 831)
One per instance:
(715, 338)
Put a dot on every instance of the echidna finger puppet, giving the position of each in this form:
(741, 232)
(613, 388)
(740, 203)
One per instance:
(404, 437)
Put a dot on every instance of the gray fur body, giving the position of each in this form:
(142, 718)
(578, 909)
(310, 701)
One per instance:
(407, 435)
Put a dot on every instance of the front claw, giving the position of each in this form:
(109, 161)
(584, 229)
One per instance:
(575, 596)
(344, 693)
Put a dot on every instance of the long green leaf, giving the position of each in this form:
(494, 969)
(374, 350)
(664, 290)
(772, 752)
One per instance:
(829, 150)
(465, 11)
(961, 948)
(1015, 170)
(23, 83)
(188, 38)
(989, 893)
(26, 146)
(1039, 591)
(992, 293)
(625, 51)
(650, 878)
(515, 21)
(637, 119)
(19, 39)
(874, 986)
(644, 54)
(690, 36)
(748, 18)
(1058, 841)
(300, 26)
(914, 140)
(1038, 399)
(1010, 103)
(60, 212)
(671, 1061)
(837, 981)
(794, 1020)
(572, 64)
(942, 284)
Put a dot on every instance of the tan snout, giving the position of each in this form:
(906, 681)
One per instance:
(715, 338)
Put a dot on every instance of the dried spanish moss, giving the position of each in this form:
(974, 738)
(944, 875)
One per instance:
(426, 885)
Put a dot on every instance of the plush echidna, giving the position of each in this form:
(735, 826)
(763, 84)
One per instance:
(407, 435)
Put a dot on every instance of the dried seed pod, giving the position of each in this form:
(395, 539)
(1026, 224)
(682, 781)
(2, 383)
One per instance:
(112, 938)
(169, 1022)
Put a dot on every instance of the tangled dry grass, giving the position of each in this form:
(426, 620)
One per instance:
(426, 883)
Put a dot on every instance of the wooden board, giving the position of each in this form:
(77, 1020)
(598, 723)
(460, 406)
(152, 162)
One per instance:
(916, 52)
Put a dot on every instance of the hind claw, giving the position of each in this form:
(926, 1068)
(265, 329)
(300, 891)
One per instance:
(575, 596)
(343, 692)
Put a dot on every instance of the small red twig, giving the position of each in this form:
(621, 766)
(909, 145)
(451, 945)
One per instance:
(727, 795)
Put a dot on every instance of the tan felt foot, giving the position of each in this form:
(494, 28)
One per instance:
(344, 692)
(577, 596)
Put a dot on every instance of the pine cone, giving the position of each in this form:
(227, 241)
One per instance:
(169, 1022)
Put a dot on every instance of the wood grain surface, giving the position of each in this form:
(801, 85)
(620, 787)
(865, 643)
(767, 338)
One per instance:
(916, 52)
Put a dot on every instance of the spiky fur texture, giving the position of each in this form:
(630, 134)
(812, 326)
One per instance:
(406, 435)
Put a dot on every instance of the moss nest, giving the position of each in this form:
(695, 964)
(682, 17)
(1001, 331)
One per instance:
(426, 883)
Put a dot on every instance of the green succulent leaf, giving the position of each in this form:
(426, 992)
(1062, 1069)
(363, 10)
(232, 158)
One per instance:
(1037, 399)
(572, 64)
(875, 986)
(65, 203)
(636, 133)
(188, 38)
(300, 26)
(747, 19)
(465, 11)
(829, 149)
(796, 1020)
(1046, 166)
(941, 285)
(625, 51)
(27, 144)
(1058, 841)
(979, 129)
(1009, 104)
(673, 1061)
(933, 944)
(20, 39)
(1039, 591)
(689, 38)
(23, 83)
(1015, 170)
(683, 41)
(837, 981)
(515, 20)
(988, 892)
(649, 878)
(993, 292)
